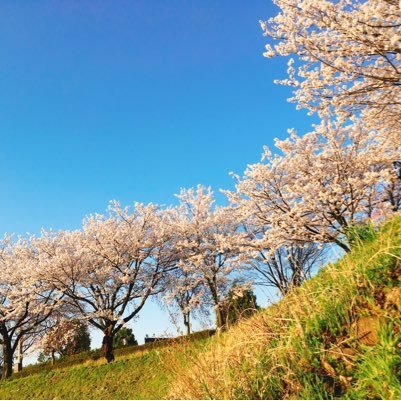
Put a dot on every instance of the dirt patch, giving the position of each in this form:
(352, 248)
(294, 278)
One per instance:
(368, 328)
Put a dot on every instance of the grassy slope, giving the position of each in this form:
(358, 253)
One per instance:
(139, 375)
(312, 343)
(309, 345)
(127, 378)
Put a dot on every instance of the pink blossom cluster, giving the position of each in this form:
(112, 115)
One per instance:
(347, 57)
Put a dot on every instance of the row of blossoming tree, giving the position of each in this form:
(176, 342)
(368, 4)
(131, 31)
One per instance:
(311, 192)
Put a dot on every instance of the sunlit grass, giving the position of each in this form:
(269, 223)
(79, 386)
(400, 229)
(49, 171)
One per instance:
(309, 345)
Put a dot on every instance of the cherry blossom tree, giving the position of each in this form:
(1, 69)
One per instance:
(392, 192)
(348, 57)
(186, 294)
(209, 245)
(59, 337)
(109, 269)
(25, 300)
(284, 266)
(287, 266)
(319, 186)
(65, 337)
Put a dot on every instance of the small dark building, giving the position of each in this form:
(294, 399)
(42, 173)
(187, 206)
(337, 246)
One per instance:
(152, 339)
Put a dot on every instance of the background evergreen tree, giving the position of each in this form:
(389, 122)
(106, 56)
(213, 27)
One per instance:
(82, 341)
(124, 337)
(42, 358)
(240, 306)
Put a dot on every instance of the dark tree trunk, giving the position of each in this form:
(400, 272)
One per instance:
(7, 359)
(107, 348)
(20, 355)
(187, 323)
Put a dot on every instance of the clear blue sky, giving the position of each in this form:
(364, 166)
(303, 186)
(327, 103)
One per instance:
(130, 100)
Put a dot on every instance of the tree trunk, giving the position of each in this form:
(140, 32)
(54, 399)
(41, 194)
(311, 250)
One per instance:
(112, 342)
(7, 359)
(20, 355)
(53, 357)
(221, 317)
(187, 323)
(107, 348)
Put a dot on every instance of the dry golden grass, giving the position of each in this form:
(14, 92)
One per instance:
(294, 344)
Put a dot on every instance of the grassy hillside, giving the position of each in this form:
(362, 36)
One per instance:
(338, 336)
(137, 373)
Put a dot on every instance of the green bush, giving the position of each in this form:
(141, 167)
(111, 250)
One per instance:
(361, 234)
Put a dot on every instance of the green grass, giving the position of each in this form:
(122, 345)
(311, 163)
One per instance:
(310, 345)
(139, 375)
(96, 354)
(134, 378)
